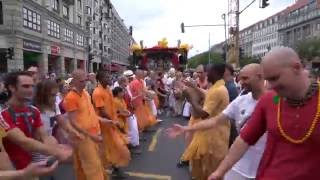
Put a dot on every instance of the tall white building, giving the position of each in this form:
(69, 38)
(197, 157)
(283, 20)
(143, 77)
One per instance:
(265, 36)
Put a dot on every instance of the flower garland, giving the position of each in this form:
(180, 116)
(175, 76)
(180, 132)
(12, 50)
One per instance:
(309, 132)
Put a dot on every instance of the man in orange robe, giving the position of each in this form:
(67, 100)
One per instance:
(141, 110)
(114, 142)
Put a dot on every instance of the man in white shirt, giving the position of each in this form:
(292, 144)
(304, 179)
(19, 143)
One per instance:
(239, 110)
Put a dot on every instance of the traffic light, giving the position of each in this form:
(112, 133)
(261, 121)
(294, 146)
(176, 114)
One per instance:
(10, 53)
(182, 27)
(130, 30)
(264, 3)
(241, 53)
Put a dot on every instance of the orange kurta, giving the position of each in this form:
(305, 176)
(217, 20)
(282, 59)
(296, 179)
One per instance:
(87, 163)
(114, 142)
(141, 110)
(121, 105)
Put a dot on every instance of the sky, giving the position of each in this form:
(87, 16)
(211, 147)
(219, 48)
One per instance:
(153, 20)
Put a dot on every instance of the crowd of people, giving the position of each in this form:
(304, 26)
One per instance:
(259, 124)
(276, 116)
(93, 122)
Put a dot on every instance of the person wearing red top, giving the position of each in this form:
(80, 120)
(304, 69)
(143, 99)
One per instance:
(289, 115)
(25, 133)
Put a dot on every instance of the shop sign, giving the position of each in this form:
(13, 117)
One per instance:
(31, 45)
(55, 50)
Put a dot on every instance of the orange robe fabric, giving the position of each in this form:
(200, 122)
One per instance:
(115, 143)
(121, 105)
(87, 161)
(141, 109)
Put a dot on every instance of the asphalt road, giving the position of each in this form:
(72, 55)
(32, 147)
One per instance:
(160, 156)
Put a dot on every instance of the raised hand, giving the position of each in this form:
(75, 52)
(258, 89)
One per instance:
(175, 131)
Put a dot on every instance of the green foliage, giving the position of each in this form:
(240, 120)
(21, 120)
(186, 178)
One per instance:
(309, 49)
(203, 58)
(247, 60)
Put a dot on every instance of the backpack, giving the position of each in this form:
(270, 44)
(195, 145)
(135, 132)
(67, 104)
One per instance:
(14, 115)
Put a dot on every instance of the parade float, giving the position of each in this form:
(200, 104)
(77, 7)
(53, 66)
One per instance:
(160, 57)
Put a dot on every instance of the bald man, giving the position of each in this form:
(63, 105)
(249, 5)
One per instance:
(289, 115)
(142, 112)
(251, 77)
(202, 81)
(77, 103)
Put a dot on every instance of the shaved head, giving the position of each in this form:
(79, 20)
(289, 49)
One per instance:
(139, 74)
(76, 74)
(252, 69)
(251, 77)
(79, 79)
(284, 71)
(282, 56)
(200, 68)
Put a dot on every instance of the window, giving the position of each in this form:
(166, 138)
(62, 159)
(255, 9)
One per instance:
(105, 48)
(31, 20)
(105, 37)
(94, 30)
(53, 29)
(55, 5)
(79, 4)
(96, 3)
(65, 11)
(94, 16)
(88, 10)
(68, 35)
(79, 19)
(105, 25)
(80, 40)
(89, 41)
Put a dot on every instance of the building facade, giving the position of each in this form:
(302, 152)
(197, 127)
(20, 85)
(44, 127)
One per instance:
(46, 33)
(245, 41)
(265, 36)
(120, 40)
(300, 22)
(59, 36)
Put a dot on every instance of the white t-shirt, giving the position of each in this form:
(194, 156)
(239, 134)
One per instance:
(240, 111)
(48, 124)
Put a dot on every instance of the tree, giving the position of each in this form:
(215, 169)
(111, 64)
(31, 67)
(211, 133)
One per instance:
(203, 58)
(248, 60)
(309, 49)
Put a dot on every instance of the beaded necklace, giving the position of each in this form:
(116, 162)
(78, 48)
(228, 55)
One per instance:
(314, 121)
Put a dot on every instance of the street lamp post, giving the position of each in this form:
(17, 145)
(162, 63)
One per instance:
(209, 62)
(225, 34)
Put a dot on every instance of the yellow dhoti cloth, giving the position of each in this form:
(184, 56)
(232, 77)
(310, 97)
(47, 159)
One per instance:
(209, 147)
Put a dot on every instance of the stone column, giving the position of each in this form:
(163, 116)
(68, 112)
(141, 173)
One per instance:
(43, 63)
(73, 64)
(16, 63)
(60, 66)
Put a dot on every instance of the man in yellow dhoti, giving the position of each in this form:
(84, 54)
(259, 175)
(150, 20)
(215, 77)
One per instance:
(208, 148)
(115, 143)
